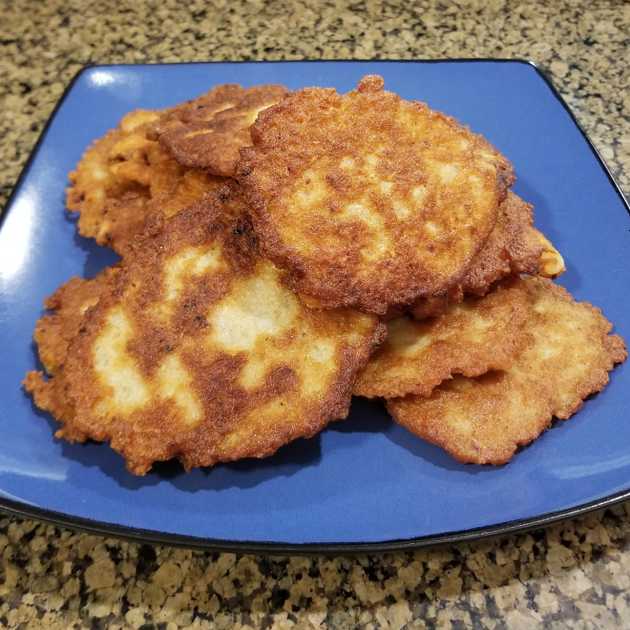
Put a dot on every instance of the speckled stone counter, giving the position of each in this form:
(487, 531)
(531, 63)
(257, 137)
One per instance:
(575, 574)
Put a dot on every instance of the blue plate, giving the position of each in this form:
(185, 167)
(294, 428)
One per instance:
(363, 484)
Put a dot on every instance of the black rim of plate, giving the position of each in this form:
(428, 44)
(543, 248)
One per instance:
(15, 508)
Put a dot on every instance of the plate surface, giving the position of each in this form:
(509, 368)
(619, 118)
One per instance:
(365, 483)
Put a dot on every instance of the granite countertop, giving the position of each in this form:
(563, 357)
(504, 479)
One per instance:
(573, 574)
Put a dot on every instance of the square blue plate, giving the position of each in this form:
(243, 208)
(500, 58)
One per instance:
(364, 484)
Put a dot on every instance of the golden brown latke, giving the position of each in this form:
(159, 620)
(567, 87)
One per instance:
(125, 177)
(208, 131)
(54, 333)
(67, 306)
(197, 350)
(566, 357)
(514, 246)
(470, 338)
(367, 199)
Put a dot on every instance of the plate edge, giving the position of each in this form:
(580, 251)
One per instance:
(77, 523)
(544, 75)
(138, 535)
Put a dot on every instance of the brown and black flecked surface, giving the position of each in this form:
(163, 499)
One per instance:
(575, 574)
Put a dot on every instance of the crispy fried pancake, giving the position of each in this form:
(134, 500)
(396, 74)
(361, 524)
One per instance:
(197, 350)
(514, 246)
(67, 306)
(54, 333)
(209, 131)
(469, 338)
(367, 199)
(567, 356)
(125, 177)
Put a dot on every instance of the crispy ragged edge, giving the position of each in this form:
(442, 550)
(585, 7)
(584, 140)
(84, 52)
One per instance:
(208, 131)
(479, 335)
(54, 332)
(514, 247)
(53, 396)
(93, 179)
(67, 307)
(485, 420)
(334, 292)
(125, 177)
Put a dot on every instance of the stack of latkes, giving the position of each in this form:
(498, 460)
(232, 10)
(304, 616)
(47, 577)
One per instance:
(282, 251)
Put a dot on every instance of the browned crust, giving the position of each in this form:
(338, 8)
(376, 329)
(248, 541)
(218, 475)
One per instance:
(312, 131)
(512, 248)
(54, 332)
(53, 395)
(155, 431)
(567, 357)
(483, 334)
(67, 306)
(126, 177)
(208, 131)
